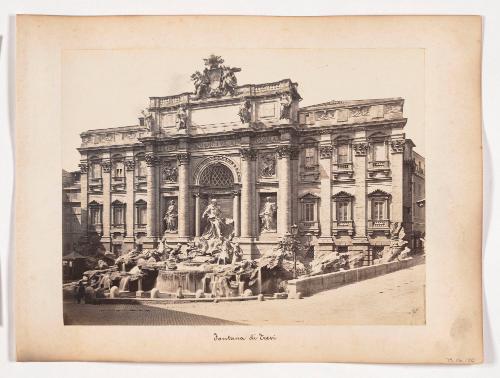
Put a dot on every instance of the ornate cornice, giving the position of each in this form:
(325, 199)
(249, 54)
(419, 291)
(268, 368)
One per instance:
(151, 160)
(325, 152)
(397, 146)
(248, 154)
(106, 166)
(183, 158)
(360, 148)
(84, 167)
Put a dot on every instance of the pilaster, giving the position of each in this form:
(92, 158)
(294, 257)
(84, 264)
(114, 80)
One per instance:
(397, 149)
(325, 206)
(183, 207)
(129, 185)
(248, 157)
(84, 168)
(284, 217)
(106, 202)
(152, 196)
(360, 147)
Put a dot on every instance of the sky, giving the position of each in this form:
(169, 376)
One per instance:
(109, 88)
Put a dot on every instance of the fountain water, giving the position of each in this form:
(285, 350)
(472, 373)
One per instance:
(124, 284)
(189, 280)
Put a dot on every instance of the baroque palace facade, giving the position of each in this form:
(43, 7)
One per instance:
(342, 171)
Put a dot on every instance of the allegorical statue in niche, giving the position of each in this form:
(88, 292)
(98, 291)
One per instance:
(268, 165)
(285, 106)
(148, 119)
(171, 217)
(245, 112)
(181, 118)
(267, 215)
(215, 221)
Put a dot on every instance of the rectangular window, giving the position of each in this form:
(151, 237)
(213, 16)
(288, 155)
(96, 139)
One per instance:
(310, 158)
(343, 154)
(309, 212)
(343, 211)
(95, 215)
(141, 168)
(378, 210)
(141, 215)
(379, 151)
(95, 170)
(118, 215)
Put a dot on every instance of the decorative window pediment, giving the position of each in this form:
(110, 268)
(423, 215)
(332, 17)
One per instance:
(379, 193)
(309, 197)
(342, 195)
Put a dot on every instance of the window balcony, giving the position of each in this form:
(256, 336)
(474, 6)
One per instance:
(140, 183)
(342, 167)
(309, 226)
(95, 228)
(118, 184)
(140, 227)
(343, 226)
(117, 227)
(379, 225)
(95, 184)
(378, 165)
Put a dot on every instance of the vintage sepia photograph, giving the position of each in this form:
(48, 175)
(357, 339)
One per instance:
(243, 187)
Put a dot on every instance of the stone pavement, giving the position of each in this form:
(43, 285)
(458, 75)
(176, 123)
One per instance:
(394, 299)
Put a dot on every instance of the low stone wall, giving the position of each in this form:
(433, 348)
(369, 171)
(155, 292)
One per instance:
(311, 285)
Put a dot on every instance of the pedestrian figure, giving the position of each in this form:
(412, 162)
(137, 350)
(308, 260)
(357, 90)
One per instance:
(80, 292)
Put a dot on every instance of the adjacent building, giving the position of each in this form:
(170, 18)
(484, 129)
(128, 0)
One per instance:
(342, 171)
(71, 211)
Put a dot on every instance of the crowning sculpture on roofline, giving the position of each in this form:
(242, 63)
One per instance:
(216, 79)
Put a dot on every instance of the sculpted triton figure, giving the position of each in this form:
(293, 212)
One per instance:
(171, 216)
(267, 215)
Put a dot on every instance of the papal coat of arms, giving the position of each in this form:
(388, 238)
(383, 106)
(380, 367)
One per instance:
(216, 79)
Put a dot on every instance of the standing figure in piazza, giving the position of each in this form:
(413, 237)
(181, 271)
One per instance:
(267, 215)
(214, 217)
(171, 216)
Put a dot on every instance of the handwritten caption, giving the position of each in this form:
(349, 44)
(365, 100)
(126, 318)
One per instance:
(250, 337)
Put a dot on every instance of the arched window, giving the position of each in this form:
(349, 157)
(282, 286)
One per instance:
(217, 176)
